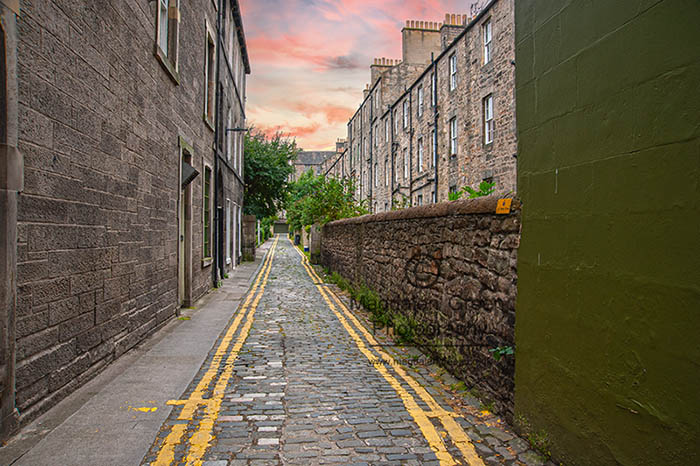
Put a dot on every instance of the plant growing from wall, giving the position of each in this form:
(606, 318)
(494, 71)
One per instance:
(485, 188)
(501, 352)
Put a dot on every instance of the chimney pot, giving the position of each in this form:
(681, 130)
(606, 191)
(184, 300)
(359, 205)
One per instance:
(447, 18)
(408, 22)
(453, 18)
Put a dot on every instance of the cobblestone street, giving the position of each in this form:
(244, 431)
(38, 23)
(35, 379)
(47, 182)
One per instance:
(297, 379)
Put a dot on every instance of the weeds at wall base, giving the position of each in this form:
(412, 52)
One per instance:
(404, 332)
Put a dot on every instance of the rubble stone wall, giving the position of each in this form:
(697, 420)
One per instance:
(451, 267)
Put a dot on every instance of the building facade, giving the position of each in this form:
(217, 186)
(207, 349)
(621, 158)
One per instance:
(123, 133)
(440, 118)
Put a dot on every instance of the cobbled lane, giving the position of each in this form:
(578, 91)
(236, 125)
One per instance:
(295, 380)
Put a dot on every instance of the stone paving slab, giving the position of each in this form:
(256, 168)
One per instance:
(297, 379)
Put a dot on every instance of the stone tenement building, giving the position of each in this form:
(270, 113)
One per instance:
(320, 162)
(120, 180)
(440, 118)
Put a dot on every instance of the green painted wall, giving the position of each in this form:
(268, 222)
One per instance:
(608, 311)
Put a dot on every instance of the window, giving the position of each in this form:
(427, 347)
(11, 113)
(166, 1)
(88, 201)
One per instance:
(376, 174)
(420, 101)
(420, 199)
(231, 143)
(207, 214)
(210, 80)
(433, 80)
(420, 154)
(405, 164)
(488, 119)
(486, 28)
(163, 26)
(386, 130)
(396, 121)
(167, 32)
(375, 135)
(453, 136)
(386, 207)
(453, 72)
(405, 114)
(386, 173)
(434, 147)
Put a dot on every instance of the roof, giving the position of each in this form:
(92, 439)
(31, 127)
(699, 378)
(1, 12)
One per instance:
(313, 157)
(241, 35)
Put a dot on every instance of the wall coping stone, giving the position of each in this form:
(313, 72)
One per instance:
(484, 205)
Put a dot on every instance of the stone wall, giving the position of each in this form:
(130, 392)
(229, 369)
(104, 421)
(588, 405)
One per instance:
(451, 267)
(103, 121)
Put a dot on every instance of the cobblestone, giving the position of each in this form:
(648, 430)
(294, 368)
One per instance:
(303, 391)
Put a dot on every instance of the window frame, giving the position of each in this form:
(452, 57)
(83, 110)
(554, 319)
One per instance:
(405, 163)
(420, 101)
(488, 118)
(420, 154)
(206, 216)
(168, 53)
(453, 136)
(405, 114)
(209, 69)
(453, 71)
(487, 38)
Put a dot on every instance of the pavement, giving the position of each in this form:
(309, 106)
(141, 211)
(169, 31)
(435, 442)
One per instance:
(276, 367)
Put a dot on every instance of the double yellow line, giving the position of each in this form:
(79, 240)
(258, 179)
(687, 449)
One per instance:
(420, 416)
(201, 439)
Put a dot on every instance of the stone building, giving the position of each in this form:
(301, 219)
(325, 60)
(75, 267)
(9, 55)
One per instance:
(440, 118)
(310, 160)
(121, 169)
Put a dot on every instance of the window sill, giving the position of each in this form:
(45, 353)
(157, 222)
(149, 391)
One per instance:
(206, 262)
(208, 122)
(167, 65)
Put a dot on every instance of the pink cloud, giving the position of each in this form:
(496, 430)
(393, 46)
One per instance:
(311, 59)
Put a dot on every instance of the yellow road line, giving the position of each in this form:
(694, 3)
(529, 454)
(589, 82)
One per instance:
(457, 434)
(200, 440)
(418, 414)
(166, 454)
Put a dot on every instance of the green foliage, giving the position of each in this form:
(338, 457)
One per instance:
(485, 189)
(538, 439)
(402, 202)
(404, 327)
(267, 169)
(266, 227)
(502, 351)
(320, 199)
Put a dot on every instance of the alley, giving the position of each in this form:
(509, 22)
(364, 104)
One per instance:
(297, 379)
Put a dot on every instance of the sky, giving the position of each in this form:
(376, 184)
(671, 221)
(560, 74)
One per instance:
(310, 59)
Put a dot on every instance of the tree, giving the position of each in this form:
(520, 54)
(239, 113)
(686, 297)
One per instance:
(268, 164)
(319, 199)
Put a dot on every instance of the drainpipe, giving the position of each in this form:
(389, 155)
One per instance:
(435, 127)
(216, 250)
(370, 172)
(410, 148)
(393, 153)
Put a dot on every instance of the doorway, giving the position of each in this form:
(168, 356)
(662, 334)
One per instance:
(184, 262)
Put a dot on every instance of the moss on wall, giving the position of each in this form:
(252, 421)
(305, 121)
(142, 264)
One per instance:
(607, 324)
